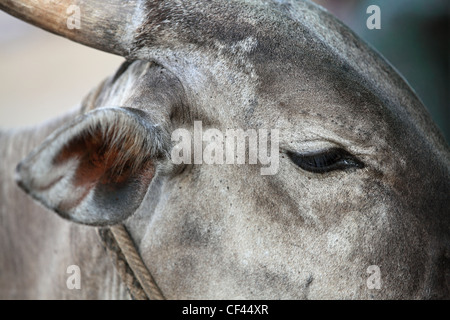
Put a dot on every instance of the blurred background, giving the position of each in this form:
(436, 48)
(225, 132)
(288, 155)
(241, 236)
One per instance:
(42, 75)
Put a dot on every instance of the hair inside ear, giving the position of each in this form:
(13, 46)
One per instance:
(97, 170)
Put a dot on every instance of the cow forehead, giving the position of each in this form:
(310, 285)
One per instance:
(234, 62)
(295, 44)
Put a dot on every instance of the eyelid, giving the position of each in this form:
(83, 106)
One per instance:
(325, 160)
(315, 145)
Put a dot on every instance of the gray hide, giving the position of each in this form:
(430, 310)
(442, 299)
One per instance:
(226, 231)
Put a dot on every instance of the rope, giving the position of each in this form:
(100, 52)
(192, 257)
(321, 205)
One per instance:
(128, 263)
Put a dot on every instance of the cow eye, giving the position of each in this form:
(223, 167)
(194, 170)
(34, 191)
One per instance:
(325, 161)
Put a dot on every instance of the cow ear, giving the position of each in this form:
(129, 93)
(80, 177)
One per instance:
(97, 169)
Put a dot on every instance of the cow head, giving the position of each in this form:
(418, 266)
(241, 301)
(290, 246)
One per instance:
(363, 173)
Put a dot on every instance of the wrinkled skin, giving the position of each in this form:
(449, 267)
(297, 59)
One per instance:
(225, 231)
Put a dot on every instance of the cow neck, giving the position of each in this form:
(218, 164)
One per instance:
(128, 263)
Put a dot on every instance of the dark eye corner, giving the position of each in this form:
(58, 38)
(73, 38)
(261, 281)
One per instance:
(326, 160)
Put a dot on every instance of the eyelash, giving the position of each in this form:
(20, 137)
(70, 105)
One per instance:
(326, 161)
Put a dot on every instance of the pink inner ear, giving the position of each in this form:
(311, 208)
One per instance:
(105, 166)
(97, 169)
